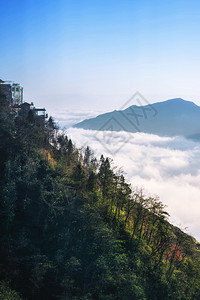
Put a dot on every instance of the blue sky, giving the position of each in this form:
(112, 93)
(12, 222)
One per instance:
(96, 54)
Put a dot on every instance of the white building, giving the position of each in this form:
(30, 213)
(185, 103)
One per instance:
(12, 91)
(16, 93)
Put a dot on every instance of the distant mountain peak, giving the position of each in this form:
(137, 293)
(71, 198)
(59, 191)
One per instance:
(176, 101)
(173, 117)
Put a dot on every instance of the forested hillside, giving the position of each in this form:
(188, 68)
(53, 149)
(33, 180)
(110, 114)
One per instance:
(72, 228)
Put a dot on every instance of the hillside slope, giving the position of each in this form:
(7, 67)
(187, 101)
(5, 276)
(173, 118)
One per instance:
(73, 229)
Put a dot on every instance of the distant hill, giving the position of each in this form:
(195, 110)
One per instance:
(167, 118)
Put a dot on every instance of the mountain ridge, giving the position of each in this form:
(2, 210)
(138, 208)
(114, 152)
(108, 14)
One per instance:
(166, 118)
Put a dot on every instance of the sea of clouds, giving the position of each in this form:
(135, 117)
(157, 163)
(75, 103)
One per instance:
(165, 166)
(66, 118)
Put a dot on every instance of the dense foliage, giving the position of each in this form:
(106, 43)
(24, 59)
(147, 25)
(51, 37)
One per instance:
(72, 228)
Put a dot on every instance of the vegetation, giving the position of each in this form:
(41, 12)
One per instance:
(71, 228)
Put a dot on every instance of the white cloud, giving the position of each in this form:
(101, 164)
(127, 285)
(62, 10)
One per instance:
(164, 166)
(67, 118)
